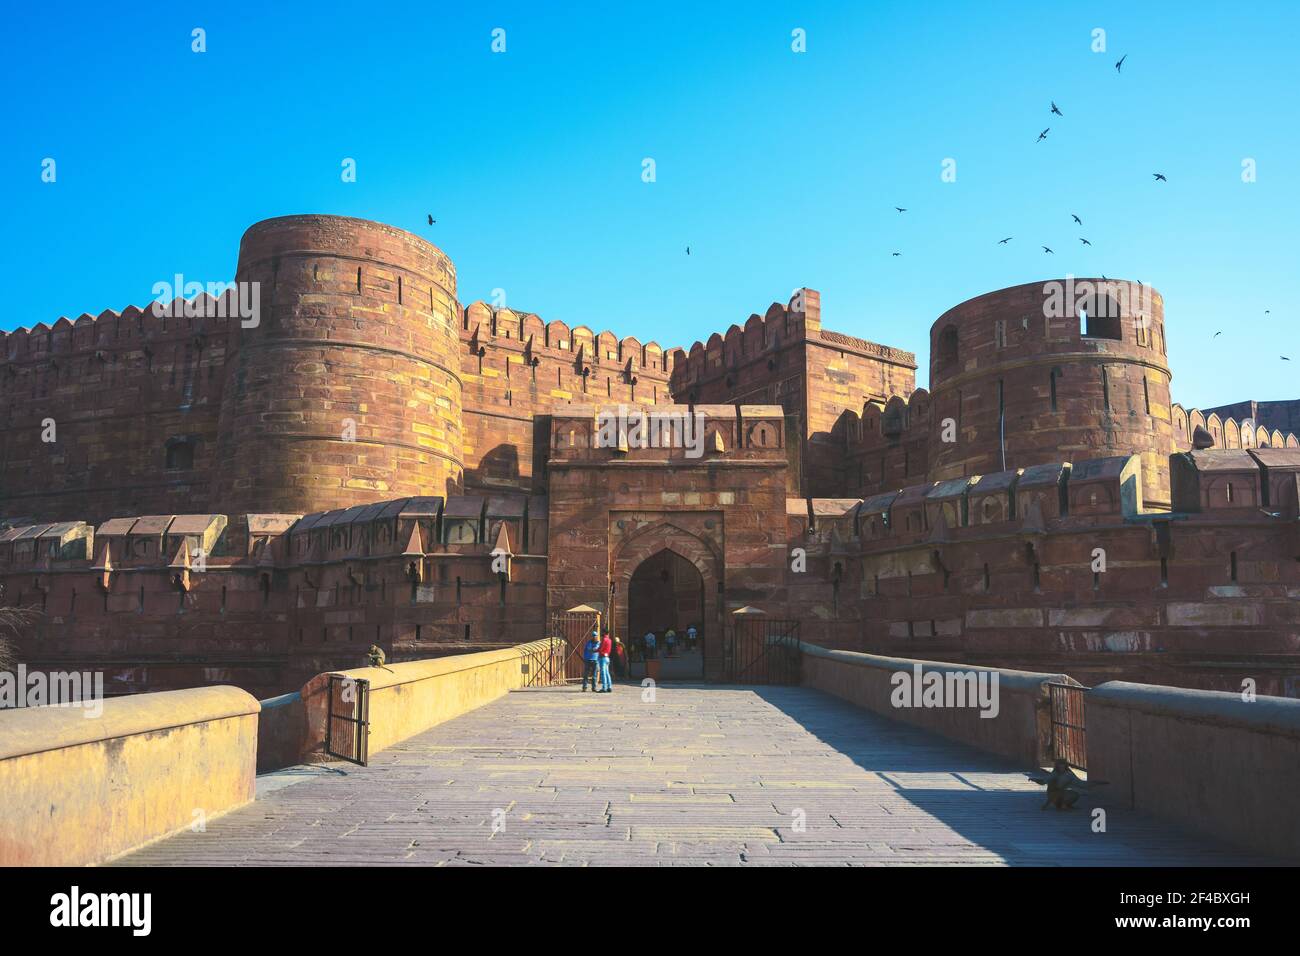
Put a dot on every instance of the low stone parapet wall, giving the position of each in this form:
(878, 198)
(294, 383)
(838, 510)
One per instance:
(408, 698)
(1210, 760)
(77, 790)
(1019, 722)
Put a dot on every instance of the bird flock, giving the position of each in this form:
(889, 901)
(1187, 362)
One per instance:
(1055, 110)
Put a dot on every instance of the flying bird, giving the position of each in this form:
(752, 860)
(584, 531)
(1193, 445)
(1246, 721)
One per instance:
(1120, 65)
(1048, 251)
(431, 219)
(1043, 135)
(1217, 334)
(1160, 177)
(896, 253)
(1084, 241)
(900, 209)
(1003, 242)
(1077, 220)
(1284, 358)
(688, 250)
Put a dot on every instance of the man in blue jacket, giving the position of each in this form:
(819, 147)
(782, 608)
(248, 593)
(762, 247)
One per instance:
(590, 661)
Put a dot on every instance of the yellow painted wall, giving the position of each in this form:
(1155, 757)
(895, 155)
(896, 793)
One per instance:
(409, 698)
(76, 790)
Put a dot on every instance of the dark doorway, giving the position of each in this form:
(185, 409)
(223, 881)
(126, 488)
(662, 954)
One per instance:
(667, 592)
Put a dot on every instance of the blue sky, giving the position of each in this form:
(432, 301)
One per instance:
(778, 169)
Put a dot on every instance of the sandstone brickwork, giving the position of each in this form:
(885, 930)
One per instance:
(372, 462)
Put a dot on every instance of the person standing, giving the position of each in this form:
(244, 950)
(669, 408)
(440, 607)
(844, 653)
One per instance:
(619, 659)
(691, 635)
(606, 648)
(670, 639)
(590, 661)
(649, 642)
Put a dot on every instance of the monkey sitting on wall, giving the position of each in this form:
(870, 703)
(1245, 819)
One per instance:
(375, 657)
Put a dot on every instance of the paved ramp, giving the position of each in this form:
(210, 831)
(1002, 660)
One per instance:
(701, 775)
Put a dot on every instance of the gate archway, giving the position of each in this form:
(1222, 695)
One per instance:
(652, 552)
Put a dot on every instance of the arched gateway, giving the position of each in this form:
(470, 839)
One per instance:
(665, 577)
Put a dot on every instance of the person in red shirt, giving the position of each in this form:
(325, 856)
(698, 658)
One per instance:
(606, 645)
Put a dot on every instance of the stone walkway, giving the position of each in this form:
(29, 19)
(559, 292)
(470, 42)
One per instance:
(703, 775)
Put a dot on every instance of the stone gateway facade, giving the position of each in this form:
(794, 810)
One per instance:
(192, 494)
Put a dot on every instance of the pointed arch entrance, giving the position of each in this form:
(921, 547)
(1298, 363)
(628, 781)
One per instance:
(665, 577)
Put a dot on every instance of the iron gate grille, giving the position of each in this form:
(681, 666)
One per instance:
(763, 651)
(347, 731)
(544, 666)
(1069, 729)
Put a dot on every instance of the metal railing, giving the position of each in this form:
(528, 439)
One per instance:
(544, 665)
(347, 726)
(1069, 728)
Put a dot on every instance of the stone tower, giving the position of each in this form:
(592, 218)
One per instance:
(1060, 370)
(347, 389)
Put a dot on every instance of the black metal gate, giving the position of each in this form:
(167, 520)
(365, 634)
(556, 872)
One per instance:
(347, 729)
(1069, 729)
(762, 650)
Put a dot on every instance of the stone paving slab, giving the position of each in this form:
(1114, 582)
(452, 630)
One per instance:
(703, 775)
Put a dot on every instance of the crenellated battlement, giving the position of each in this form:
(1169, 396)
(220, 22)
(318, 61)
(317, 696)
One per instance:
(1227, 432)
(113, 331)
(526, 332)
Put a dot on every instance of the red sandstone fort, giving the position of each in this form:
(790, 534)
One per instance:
(256, 505)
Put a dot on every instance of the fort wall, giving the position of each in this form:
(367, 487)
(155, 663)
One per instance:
(111, 414)
(517, 369)
(203, 515)
(786, 358)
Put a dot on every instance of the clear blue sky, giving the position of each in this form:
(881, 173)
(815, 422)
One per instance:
(778, 169)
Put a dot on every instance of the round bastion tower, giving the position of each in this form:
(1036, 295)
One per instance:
(1059, 370)
(347, 391)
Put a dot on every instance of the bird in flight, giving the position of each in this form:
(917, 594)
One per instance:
(1160, 177)
(1043, 135)
(688, 250)
(1119, 67)
(1055, 110)
(1003, 242)
(1084, 241)
(1048, 251)
(897, 253)
(1217, 334)
(1077, 220)
(431, 219)
(900, 209)
(1284, 358)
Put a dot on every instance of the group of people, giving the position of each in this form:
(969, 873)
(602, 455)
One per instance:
(602, 654)
(597, 655)
(650, 642)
